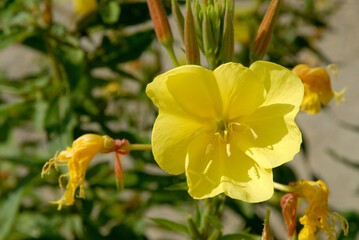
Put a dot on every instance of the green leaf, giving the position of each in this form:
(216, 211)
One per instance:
(241, 236)
(41, 108)
(17, 35)
(114, 51)
(9, 211)
(177, 187)
(110, 12)
(10, 206)
(171, 225)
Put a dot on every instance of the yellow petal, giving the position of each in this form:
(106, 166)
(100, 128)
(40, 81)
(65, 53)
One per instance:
(282, 85)
(171, 137)
(241, 91)
(277, 137)
(213, 168)
(311, 102)
(187, 90)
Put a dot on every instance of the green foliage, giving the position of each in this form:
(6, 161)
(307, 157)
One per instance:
(92, 78)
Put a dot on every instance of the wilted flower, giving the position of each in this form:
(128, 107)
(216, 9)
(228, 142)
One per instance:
(77, 158)
(317, 88)
(317, 217)
(227, 128)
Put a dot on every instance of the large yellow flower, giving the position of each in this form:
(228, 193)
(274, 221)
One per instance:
(227, 128)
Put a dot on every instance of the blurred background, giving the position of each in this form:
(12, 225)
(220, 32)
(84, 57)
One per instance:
(65, 72)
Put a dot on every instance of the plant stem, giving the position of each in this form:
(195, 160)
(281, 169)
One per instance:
(137, 147)
(172, 55)
(283, 188)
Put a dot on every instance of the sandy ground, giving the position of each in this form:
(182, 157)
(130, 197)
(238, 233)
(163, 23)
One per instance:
(321, 131)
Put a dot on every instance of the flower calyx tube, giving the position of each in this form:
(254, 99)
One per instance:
(77, 159)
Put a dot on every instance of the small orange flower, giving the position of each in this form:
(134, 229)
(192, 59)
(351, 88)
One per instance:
(317, 88)
(77, 158)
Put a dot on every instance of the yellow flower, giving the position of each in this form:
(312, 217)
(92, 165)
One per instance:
(77, 158)
(227, 128)
(84, 7)
(317, 88)
(317, 214)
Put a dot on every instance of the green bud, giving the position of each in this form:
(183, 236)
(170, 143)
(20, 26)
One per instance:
(179, 19)
(208, 41)
(198, 18)
(267, 232)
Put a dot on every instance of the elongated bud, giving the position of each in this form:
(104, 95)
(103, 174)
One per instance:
(160, 22)
(179, 19)
(265, 31)
(267, 232)
(192, 50)
(208, 41)
(198, 18)
(289, 211)
(228, 33)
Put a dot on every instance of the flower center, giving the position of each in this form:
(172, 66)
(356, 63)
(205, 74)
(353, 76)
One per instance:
(223, 129)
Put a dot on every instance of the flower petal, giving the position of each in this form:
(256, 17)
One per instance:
(241, 91)
(213, 168)
(282, 85)
(276, 136)
(171, 137)
(190, 90)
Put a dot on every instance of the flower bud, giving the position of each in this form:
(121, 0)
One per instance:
(228, 33)
(267, 232)
(192, 50)
(289, 211)
(208, 41)
(198, 18)
(179, 19)
(265, 31)
(160, 22)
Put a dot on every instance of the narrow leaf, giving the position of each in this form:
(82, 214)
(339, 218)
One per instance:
(171, 225)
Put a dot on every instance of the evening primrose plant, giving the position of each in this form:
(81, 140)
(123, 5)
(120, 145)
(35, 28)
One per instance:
(226, 128)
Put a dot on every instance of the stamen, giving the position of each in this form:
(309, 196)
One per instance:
(207, 167)
(228, 148)
(60, 181)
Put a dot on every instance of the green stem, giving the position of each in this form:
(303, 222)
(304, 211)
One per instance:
(283, 188)
(137, 147)
(172, 55)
